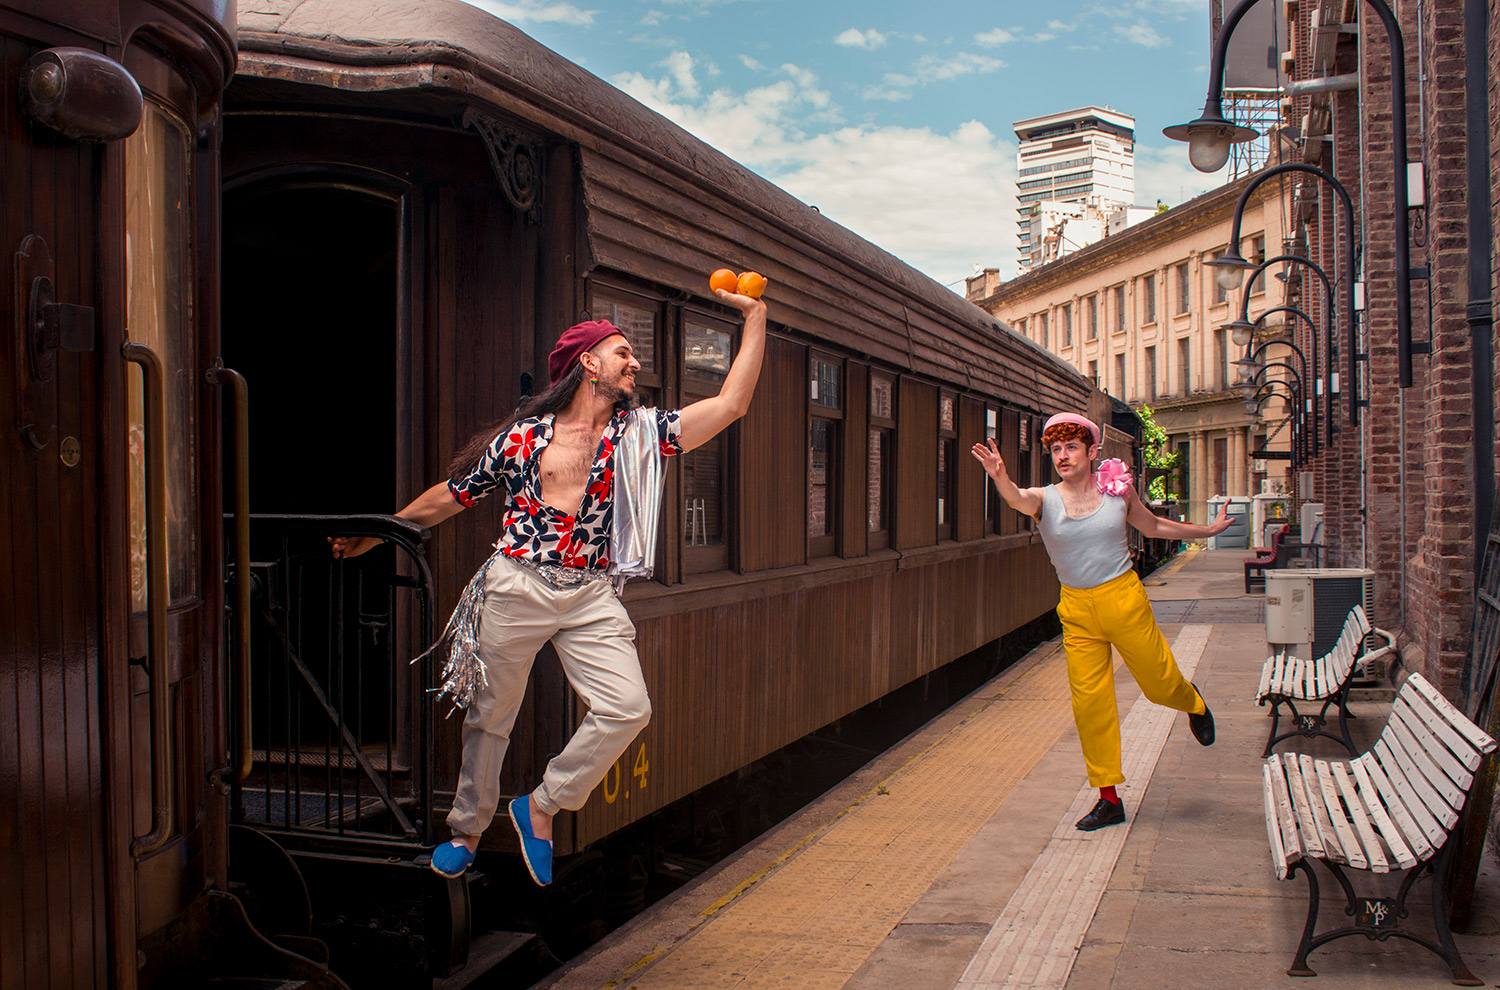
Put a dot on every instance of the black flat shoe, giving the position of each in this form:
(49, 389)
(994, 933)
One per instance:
(1104, 813)
(1202, 725)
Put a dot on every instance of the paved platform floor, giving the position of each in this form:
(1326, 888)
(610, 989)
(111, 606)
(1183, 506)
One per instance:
(951, 863)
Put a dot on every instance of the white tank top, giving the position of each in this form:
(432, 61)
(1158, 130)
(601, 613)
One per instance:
(1089, 550)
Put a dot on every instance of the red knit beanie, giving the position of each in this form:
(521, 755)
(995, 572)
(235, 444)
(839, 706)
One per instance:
(576, 340)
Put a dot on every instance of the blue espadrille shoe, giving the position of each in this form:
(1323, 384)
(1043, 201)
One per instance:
(450, 859)
(536, 852)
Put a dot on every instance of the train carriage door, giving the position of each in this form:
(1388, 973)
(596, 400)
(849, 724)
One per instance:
(54, 851)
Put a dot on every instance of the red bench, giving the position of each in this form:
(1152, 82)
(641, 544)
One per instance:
(1272, 556)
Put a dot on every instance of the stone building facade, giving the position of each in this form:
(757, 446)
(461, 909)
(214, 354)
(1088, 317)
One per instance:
(1142, 314)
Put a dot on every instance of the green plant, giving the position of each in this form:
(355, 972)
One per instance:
(1157, 455)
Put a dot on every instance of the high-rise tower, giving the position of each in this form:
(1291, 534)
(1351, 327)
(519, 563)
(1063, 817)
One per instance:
(1084, 156)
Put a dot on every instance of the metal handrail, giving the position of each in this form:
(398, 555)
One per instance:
(154, 395)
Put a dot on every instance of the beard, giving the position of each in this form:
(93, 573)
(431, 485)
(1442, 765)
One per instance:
(613, 389)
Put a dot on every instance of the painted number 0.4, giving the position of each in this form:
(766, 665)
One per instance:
(640, 769)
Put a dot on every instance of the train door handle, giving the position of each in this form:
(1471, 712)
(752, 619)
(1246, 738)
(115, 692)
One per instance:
(154, 394)
(239, 391)
(47, 327)
(52, 326)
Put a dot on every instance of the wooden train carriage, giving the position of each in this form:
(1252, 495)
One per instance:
(419, 198)
(112, 830)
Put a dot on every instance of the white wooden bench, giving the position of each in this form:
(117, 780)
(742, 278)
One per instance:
(1394, 807)
(1287, 679)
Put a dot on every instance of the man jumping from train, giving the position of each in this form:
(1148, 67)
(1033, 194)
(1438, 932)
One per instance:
(1103, 604)
(555, 465)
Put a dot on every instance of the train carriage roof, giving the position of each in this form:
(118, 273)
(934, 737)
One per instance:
(659, 202)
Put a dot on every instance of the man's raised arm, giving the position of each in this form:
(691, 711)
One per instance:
(704, 419)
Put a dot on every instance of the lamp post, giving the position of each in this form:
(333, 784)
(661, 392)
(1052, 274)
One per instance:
(1291, 398)
(1297, 388)
(1210, 136)
(1331, 343)
(1248, 361)
(1231, 265)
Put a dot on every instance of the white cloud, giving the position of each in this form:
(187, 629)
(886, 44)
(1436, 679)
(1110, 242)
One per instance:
(751, 64)
(995, 36)
(855, 38)
(1164, 173)
(932, 67)
(680, 66)
(939, 201)
(1144, 34)
(520, 12)
(1065, 26)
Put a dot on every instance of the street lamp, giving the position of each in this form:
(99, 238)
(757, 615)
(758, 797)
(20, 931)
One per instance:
(1331, 344)
(1291, 399)
(1210, 136)
(1234, 264)
(1248, 362)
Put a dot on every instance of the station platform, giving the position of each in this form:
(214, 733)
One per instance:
(951, 861)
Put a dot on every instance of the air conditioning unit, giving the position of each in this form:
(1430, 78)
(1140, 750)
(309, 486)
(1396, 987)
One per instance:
(1306, 607)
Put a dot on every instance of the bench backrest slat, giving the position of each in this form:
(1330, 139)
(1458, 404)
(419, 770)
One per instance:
(1406, 795)
(1433, 743)
(1397, 732)
(1417, 825)
(1393, 834)
(1477, 737)
(1455, 742)
(1410, 783)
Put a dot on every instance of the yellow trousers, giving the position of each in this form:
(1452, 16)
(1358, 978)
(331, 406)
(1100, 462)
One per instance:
(1116, 613)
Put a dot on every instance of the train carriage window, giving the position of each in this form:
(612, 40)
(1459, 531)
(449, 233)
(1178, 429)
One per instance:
(1026, 442)
(881, 454)
(992, 503)
(638, 316)
(158, 302)
(825, 394)
(947, 466)
(707, 351)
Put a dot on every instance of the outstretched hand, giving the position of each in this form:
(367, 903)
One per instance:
(351, 546)
(745, 304)
(988, 455)
(1221, 521)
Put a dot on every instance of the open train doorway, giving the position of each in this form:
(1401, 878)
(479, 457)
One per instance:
(313, 320)
(310, 296)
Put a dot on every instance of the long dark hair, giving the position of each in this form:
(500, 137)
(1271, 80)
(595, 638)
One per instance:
(554, 399)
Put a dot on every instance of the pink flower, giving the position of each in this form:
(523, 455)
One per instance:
(1113, 478)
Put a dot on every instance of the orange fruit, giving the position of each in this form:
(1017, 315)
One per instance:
(752, 284)
(723, 279)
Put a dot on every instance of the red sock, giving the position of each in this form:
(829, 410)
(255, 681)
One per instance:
(1108, 794)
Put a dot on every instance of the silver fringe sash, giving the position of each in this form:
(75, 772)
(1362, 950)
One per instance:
(463, 676)
(638, 485)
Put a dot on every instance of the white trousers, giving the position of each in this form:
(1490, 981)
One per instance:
(595, 640)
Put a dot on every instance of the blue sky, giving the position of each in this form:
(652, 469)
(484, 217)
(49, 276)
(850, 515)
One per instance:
(894, 119)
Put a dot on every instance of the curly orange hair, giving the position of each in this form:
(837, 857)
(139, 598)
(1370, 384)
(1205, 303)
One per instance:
(1063, 432)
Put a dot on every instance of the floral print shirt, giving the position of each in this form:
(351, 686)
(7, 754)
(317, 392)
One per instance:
(540, 533)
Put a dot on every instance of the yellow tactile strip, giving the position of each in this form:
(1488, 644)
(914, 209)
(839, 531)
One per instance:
(815, 915)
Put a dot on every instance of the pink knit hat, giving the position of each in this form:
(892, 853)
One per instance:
(576, 340)
(1078, 420)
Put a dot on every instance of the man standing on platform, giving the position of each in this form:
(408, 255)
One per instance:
(1103, 604)
(555, 464)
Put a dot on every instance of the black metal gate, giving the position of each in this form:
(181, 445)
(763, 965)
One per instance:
(336, 752)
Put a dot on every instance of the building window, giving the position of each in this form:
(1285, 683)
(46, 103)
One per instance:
(1093, 317)
(1021, 327)
(1119, 309)
(1221, 294)
(1041, 329)
(707, 350)
(1221, 357)
(1119, 383)
(1067, 325)
(1183, 287)
(1148, 298)
(881, 452)
(1150, 373)
(947, 473)
(1185, 364)
(1258, 249)
(825, 387)
(1094, 373)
